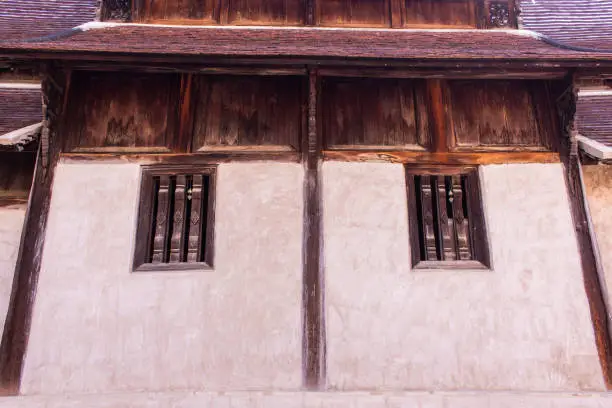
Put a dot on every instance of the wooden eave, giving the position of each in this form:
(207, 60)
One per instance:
(294, 46)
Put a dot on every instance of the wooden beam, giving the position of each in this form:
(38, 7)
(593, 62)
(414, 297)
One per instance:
(437, 115)
(19, 315)
(446, 158)
(195, 158)
(186, 114)
(313, 353)
(593, 277)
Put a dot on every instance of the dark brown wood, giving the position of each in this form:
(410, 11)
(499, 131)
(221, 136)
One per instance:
(19, 315)
(266, 12)
(189, 159)
(397, 11)
(436, 13)
(313, 357)
(195, 235)
(186, 114)
(364, 113)
(462, 238)
(494, 113)
(176, 227)
(162, 217)
(177, 240)
(122, 110)
(446, 73)
(187, 11)
(444, 233)
(16, 172)
(450, 158)
(477, 234)
(354, 13)
(437, 101)
(234, 112)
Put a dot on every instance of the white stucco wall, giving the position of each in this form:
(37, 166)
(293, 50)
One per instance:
(598, 185)
(11, 223)
(523, 325)
(98, 327)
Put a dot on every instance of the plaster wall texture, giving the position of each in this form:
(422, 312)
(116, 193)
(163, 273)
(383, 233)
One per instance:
(598, 184)
(11, 224)
(524, 325)
(391, 399)
(98, 327)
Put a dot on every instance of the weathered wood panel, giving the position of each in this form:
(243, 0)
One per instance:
(353, 13)
(494, 113)
(234, 112)
(374, 112)
(439, 13)
(117, 110)
(16, 171)
(281, 12)
(176, 10)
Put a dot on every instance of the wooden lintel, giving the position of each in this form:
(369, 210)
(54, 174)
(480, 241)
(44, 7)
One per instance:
(195, 158)
(468, 73)
(450, 158)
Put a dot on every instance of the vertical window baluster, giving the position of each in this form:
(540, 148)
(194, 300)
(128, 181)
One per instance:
(447, 239)
(161, 221)
(429, 236)
(195, 228)
(461, 222)
(178, 228)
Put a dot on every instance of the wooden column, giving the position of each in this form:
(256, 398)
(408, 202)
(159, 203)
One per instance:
(593, 281)
(313, 353)
(19, 315)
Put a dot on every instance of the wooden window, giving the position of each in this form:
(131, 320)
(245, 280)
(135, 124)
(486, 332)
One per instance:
(361, 113)
(498, 114)
(176, 217)
(447, 228)
(455, 13)
(247, 113)
(370, 13)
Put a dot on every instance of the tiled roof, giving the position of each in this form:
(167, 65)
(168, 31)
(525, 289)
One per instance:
(577, 22)
(139, 40)
(37, 18)
(19, 108)
(594, 114)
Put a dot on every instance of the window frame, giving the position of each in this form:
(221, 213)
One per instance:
(479, 242)
(144, 236)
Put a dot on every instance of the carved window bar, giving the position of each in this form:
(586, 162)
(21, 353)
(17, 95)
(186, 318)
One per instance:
(175, 219)
(446, 219)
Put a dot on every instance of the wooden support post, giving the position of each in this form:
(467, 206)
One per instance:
(311, 13)
(586, 246)
(186, 114)
(313, 353)
(19, 315)
(437, 115)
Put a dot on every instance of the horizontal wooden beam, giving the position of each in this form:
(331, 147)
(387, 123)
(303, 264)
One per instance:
(452, 158)
(467, 73)
(197, 158)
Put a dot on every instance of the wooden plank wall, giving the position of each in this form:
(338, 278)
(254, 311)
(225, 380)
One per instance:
(238, 111)
(188, 113)
(348, 13)
(123, 110)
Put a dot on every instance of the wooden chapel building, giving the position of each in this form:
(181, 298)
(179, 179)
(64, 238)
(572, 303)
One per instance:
(306, 203)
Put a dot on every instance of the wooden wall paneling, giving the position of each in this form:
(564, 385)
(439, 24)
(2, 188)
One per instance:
(266, 12)
(545, 114)
(456, 13)
(354, 13)
(188, 11)
(361, 113)
(185, 115)
(125, 111)
(16, 171)
(398, 12)
(313, 330)
(493, 113)
(235, 112)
